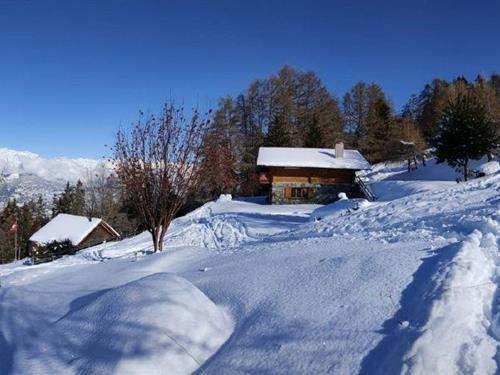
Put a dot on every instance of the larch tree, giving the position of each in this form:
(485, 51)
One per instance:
(369, 119)
(431, 102)
(360, 109)
(158, 163)
(221, 153)
(410, 144)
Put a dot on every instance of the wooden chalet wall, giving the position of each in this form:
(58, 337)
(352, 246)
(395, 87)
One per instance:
(312, 175)
(317, 185)
(97, 236)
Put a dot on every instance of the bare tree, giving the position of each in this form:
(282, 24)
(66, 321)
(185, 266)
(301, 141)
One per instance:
(411, 145)
(99, 194)
(159, 165)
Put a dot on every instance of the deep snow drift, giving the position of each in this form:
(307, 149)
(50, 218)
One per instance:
(406, 284)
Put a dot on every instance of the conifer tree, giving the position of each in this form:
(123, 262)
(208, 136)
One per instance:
(464, 133)
(61, 204)
(381, 137)
(278, 134)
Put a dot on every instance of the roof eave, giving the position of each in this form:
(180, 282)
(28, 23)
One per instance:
(310, 166)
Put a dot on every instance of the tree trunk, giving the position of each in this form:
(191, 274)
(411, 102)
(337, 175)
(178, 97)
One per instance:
(466, 172)
(155, 240)
(161, 238)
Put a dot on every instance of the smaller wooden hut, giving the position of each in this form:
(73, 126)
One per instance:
(77, 231)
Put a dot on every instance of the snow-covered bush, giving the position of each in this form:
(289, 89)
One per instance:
(489, 168)
(225, 198)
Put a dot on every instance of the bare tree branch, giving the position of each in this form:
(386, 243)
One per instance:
(159, 165)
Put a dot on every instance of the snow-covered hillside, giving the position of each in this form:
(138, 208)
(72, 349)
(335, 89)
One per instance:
(27, 175)
(406, 284)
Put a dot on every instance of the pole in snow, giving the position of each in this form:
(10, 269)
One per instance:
(13, 229)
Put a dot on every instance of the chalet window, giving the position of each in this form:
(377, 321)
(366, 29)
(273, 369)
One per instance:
(299, 192)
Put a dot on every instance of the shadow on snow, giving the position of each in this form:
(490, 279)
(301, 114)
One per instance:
(416, 303)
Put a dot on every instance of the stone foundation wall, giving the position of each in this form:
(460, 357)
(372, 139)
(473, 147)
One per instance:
(325, 193)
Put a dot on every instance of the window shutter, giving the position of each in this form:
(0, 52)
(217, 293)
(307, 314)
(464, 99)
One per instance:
(288, 193)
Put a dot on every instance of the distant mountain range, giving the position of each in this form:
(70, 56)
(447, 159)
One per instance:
(26, 175)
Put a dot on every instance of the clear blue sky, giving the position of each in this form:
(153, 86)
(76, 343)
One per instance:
(72, 72)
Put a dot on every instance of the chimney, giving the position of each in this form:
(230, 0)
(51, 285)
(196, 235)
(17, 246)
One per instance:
(339, 150)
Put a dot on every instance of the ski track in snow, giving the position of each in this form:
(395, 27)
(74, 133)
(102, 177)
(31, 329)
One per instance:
(408, 284)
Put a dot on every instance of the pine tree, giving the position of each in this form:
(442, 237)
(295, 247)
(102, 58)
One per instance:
(62, 203)
(494, 82)
(411, 110)
(313, 136)
(464, 133)
(279, 133)
(379, 142)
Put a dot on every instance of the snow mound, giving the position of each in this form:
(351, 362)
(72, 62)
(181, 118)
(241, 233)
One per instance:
(343, 205)
(343, 196)
(160, 324)
(489, 168)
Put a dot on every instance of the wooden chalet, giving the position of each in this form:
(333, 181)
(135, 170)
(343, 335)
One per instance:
(311, 175)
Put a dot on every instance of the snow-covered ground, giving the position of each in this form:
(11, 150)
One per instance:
(406, 284)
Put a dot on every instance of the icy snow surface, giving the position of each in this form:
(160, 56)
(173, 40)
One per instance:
(406, 284)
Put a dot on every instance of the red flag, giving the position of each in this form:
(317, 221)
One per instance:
(13, 228)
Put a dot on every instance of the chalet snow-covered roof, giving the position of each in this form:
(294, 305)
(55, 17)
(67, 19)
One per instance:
(68, 227)
(310, 158)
